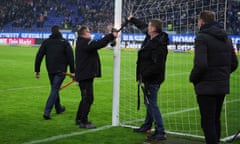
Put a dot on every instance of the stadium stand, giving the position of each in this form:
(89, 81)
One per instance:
(40, 15)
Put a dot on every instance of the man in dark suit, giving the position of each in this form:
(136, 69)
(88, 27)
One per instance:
(214, 61)
(88, 67)
(151, 73)
(59, 55)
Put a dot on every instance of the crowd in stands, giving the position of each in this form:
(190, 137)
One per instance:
(233, 17)
(177, 15)
(23, 13)
(97, 14)
(20, 13)
(37, 13)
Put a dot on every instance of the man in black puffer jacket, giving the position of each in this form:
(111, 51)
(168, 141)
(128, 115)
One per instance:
(150, 72)
(59, 55)
(214, 61)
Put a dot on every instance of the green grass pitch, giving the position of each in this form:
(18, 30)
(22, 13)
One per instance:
(22, 99)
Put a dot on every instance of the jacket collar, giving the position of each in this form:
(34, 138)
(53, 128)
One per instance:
(210, 24)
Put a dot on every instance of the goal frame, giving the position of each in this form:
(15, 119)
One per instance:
(118, 6)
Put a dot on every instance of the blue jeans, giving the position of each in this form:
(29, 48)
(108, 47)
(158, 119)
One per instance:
(53, 99)
(152, 110)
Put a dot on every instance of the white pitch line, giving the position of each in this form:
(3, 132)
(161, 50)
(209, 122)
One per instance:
(68, 135)
(37, 87)
(181, 111)
(22, 88)
(174, 74)
(195, 108)
(92, 130)
(166, 114)
(97, 81)
(105, 127)
(226, 139)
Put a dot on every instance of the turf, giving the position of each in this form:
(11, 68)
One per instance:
(22, 99)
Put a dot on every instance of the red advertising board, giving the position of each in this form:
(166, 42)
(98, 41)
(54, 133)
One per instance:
(17, 41)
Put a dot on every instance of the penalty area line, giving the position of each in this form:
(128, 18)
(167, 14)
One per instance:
(61, 136)
(22, 88)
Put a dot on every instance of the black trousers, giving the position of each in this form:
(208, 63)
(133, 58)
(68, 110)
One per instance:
(210, 107)
(86, 88)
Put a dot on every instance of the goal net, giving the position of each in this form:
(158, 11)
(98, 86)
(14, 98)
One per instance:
(176, 98)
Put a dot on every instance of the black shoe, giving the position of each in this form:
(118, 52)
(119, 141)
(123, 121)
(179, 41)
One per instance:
(87, 125)
(46, 116)
(78, 122)
(156, 137)
(142, 130)
(61, 110)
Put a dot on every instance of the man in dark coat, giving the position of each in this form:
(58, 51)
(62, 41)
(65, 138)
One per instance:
(88, 67)
(150, 72)
(59, 55)
(214, 61)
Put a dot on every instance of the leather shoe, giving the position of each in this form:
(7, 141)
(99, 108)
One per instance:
(46, 116)
(78, 122)
(61, 110)
(156, 137)
(142, 130)
(87, 125)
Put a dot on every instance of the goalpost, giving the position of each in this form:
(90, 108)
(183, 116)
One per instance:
(116, 70)
(177, 100)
